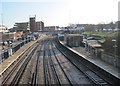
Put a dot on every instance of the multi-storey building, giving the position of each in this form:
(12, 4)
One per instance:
(32, 24)
(23, 26)
(39, 26)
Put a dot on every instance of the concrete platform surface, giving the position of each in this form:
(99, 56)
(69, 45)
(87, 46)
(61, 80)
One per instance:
(7, 62)
(103, 65)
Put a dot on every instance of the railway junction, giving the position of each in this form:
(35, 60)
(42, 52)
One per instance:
(47, 61)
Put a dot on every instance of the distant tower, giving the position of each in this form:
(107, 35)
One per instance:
(32, 24)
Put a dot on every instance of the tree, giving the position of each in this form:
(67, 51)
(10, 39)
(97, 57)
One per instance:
(112, 25)
(89, 28)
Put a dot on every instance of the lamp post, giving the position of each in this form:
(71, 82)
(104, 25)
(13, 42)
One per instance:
(24, 39)
(115, 50)
(10, 48)
(86, 46)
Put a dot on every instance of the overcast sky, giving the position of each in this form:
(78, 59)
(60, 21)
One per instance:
(59, 12)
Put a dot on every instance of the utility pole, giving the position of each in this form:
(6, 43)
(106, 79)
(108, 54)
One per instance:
(2, 56)
(69, 17)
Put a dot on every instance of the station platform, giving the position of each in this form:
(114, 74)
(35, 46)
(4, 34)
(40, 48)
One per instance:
(7, 62)
(96, 61)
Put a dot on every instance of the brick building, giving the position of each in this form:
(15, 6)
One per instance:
(13, 36)
(32, 24)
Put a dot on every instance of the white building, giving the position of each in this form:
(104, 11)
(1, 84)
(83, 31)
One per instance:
(3, 28)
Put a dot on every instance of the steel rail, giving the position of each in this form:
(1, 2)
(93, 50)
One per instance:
(44, 67)
(15, 66)
(35, 74)
(95, 79)
(53, 67)
(22, 68)
(61, 67)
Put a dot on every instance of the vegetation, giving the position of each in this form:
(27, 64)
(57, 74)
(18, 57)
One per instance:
(102, 34)
(102, 40)
(106, 33)
(106, 40)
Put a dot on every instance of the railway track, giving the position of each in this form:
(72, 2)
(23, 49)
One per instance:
(61, 68)
(13, 76)
(35, 73)
(75, 76)
(58, 71)
(96, 79)
(49, 76)
(56, 66)
(51, 65)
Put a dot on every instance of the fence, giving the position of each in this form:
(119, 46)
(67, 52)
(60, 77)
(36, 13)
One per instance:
(5, 53)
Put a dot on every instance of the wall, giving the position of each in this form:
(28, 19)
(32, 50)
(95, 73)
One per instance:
(110, 59)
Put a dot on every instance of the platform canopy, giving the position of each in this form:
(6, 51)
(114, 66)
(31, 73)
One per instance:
(94, 43)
